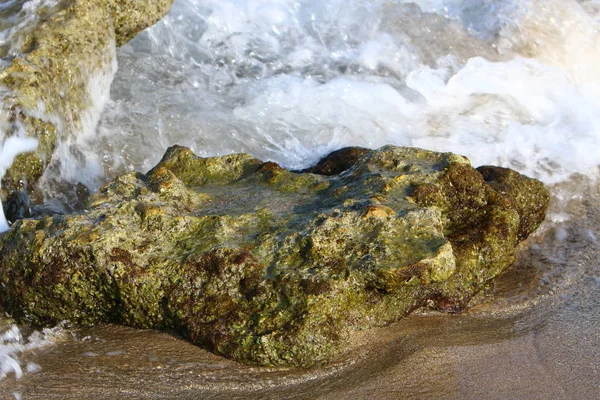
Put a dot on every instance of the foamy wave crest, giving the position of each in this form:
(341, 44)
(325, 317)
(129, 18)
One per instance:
(508, 82)
(521, 114)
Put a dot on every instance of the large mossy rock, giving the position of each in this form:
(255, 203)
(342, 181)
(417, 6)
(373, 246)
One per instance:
(59, 58)
(268, 266)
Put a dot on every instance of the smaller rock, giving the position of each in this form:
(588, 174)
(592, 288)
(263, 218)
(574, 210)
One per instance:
(45, 82)
(337, 161)
(523, 192)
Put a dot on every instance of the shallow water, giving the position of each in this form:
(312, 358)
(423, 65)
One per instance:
(507, 82)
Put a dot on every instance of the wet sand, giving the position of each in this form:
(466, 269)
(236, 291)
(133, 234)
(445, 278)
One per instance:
(536, 335)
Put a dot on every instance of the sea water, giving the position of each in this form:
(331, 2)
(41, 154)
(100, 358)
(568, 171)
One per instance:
(514, 83)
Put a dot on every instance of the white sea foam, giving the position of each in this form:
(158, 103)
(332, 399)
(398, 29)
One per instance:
(508, 82)
(10, 148)
(13, 346)
(75, 160)
(520, 114)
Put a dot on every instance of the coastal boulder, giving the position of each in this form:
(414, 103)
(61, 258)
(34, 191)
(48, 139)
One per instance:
(268, 266)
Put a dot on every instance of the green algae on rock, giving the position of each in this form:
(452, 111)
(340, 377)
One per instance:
(267, 266)
(51, 69)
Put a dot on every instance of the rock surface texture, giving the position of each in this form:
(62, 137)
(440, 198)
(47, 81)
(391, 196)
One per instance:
(267, 266)
(57, 60)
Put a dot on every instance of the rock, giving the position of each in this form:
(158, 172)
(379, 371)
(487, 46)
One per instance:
(337, 161)
(267, 266)
(51, 70)
(132, 16)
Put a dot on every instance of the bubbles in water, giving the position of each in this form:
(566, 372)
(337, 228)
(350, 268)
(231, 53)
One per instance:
(13, 345)
(292, 80)
(520, 114)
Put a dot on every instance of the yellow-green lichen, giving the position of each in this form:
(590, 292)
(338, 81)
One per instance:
(267, 266)
(52, 62)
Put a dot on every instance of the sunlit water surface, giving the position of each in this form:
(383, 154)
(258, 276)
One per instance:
(509, 82)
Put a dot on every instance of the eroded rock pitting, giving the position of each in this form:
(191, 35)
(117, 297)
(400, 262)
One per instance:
(267, 266)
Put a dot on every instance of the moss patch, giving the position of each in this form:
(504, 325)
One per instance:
(268, 266)
(50, 68)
